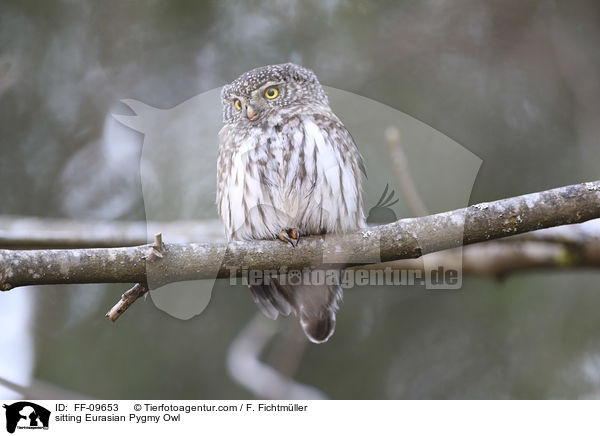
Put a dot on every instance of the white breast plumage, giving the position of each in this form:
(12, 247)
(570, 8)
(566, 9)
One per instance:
(292, 177)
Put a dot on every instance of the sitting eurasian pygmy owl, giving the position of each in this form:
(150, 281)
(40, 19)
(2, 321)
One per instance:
(287, 167)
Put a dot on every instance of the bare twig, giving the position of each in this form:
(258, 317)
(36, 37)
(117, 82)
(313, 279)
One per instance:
(407, 184)
(158, 243)
(139, 289)
(127, 299)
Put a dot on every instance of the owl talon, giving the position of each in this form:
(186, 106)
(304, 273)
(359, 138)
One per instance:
(290, 235)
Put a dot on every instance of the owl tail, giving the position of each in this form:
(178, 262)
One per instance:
(314, 305)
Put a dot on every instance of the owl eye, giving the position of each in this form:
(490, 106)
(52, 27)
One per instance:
(238, 104)
(271, 93)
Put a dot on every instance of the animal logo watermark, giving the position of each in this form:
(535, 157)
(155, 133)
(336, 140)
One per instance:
(25, 415)
(178, 176)
(382, 212)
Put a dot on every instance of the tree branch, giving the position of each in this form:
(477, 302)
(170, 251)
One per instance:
(18, 232)
(496, 259)
(41, 390)
(264, 381)
(403, 172)
(403, 239)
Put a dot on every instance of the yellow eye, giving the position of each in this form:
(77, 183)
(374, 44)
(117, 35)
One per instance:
(271, 93)
(238, 104)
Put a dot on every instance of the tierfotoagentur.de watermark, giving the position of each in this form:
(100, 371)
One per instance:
(435, 278)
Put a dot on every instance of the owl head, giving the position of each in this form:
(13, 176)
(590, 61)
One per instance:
(258, 93)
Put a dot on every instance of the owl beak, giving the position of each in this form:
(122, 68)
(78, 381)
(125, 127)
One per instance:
(251, 112)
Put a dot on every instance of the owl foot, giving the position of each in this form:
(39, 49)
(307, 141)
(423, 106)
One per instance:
(290, 235)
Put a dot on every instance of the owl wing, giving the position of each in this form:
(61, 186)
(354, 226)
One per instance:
(330, 151)
(223, 168)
